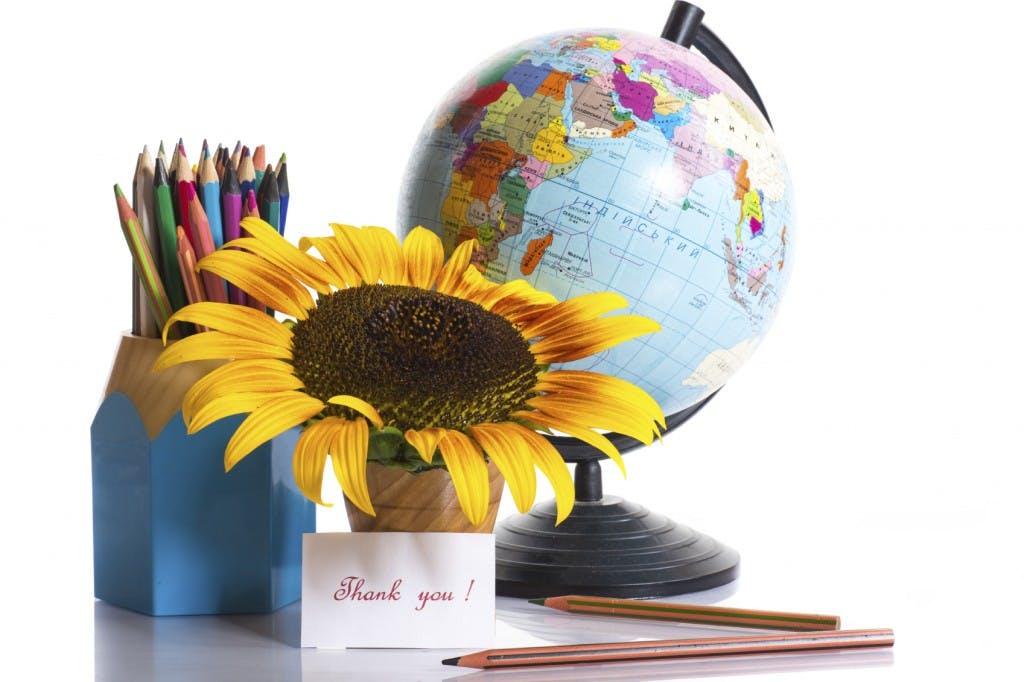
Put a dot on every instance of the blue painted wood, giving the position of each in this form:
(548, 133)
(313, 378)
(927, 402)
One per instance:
(174, 535)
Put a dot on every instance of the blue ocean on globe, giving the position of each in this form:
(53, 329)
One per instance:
(607, 160)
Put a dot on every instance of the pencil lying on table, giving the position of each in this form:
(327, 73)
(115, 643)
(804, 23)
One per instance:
(674, 648)
(690, 613)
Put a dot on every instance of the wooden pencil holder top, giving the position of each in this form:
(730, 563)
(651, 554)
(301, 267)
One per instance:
(156, 395)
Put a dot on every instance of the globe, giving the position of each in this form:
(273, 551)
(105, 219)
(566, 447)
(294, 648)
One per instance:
(608, 160)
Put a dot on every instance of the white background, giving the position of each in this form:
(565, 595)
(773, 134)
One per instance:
(863, 462)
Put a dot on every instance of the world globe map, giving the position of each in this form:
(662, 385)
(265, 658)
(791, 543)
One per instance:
(609, 160)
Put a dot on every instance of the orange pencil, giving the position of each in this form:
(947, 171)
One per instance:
(674, 648)
(690, 613)
(145, 265)
(212, 284)
(187, 263)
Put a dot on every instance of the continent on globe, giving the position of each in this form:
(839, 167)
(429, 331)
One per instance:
(615, 161)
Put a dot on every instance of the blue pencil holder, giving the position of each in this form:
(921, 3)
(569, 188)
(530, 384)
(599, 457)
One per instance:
(173, 534)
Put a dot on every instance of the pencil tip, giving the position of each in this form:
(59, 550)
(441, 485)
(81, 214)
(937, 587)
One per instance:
(539, 602)
(117, 191)
(450, 661)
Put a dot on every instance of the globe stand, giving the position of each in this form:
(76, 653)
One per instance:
(607, 546)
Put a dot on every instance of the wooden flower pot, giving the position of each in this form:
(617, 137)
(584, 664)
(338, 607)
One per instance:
(424, 502)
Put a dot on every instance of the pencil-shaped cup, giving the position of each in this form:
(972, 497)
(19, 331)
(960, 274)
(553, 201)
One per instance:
(173, 534)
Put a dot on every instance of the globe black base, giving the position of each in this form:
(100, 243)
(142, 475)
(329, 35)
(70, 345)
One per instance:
(610, 548)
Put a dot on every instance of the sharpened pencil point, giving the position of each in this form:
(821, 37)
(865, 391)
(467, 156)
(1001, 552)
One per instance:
(117, 191)
(539, 602)
(450, 661)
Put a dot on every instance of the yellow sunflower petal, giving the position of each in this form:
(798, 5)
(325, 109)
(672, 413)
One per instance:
(574, 310)
(310, 458)
(250, 376)
(344, 274)
(487, 298)
(348, 455)
(360, 251)
(389, 250)
(241, 321)
(473, 286)
(601, 387)
(551, 464)
(610, 415)
(217, 346)
(298, 264)
(237, 402)
(466, 466)
(577, 431)
(253, 376)
(521, 312)
(361, 406)
(271, 418)
(454, 270)
(514, 459)
(424, 441)
(424, 257)
(261, 279)
(591, 336)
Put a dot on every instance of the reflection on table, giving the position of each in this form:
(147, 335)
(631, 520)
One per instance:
(131, 646)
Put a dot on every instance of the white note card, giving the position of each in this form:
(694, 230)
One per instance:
(418, 590)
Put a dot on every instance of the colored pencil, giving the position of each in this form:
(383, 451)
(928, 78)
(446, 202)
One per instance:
(161, 154)
(259, 161)
(172, 168)
(270, 199)
(675, 648)
(209, 193)
(143, 322)
(142, 257)
(246, 174)
(250, 209)
(184, 188)
(236, 154)
(187, 264)
(213, 286)
(690, 613)
(167, 232)
(218, 162)
(283, 190)
(231, 207)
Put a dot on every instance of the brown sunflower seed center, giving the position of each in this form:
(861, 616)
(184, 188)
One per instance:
(421, 358)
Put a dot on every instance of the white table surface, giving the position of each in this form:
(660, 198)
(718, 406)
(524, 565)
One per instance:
(131, 646)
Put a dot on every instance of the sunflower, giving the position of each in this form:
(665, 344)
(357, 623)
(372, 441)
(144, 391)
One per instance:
(405, 359)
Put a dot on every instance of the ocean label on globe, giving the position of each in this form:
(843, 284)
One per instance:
(615, 161)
